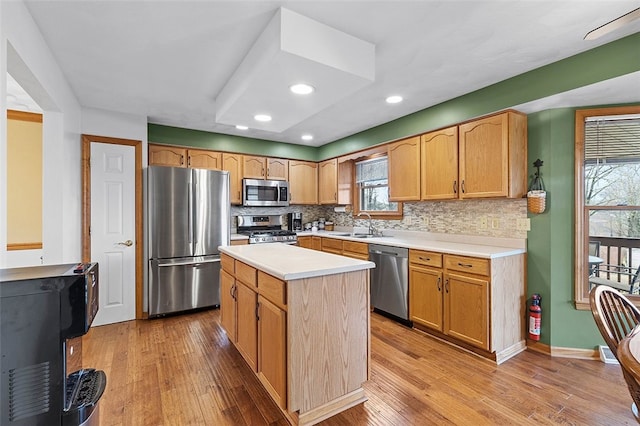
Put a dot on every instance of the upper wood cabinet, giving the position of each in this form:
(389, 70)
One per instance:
(160, 155)
(233, 164)
(277, 169)
(404, 169)
(265, 168)
(439, 172)
(303, 182)
(328, 178)
(345, 181)
(172, 156)
(202, 159)
(493, 156)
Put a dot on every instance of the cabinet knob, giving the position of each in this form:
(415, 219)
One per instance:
(446, 285)
(463, 186)
(439, 280)
(455, 186)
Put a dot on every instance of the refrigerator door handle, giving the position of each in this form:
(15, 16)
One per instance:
(190, 216)
(188, 262)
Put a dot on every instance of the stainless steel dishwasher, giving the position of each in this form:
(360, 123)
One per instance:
(390, 281)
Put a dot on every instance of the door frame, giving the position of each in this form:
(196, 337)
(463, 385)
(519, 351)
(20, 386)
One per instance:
(86, 207)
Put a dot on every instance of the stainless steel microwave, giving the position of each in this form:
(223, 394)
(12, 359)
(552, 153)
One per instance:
(274, 193)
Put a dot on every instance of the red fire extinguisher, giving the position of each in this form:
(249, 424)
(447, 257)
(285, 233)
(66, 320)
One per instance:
(535, 313)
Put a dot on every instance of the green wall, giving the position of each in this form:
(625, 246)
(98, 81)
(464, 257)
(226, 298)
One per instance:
(220, 142)
(551, 136)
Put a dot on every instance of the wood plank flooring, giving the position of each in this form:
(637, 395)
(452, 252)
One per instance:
(182, 370)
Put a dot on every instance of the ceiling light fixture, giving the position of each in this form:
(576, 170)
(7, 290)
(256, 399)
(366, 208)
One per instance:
(307, 137)
(301, 89)
(262, 117)
(394, 99)
(613, 25)
(241, 127)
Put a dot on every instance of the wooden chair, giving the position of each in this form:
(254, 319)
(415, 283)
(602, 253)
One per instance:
(616, 317)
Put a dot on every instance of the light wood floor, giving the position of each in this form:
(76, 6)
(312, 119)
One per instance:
(182, 370)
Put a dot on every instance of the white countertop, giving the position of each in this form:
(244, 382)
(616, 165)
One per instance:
(289, 262)
(464, 245)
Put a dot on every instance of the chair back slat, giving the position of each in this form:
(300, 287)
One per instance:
(614, 314)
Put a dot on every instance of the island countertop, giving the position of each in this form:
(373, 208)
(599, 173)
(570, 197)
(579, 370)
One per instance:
(289, 262)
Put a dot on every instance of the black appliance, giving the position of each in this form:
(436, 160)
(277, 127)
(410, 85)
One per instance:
(40, 308)
(265, 229)
(294, 221)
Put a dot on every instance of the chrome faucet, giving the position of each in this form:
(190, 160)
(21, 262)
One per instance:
(371, 230)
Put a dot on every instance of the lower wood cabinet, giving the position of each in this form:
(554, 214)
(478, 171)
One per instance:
(247, 324)
(306, 339)
(272, 344)
(476, 302)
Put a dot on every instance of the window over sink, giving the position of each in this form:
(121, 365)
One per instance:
(372, 189)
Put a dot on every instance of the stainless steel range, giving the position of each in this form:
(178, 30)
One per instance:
(265, 229)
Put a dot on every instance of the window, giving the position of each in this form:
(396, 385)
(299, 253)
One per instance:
(372, 188)
(607, 200)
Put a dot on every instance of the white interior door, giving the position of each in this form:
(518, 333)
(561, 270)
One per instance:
(113, 243)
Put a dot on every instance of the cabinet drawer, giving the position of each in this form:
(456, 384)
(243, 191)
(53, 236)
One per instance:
(272, 289)
(332, 245)
(427, 258)
(354, 248)
(227, 263)
(472, 265)
(246, 273)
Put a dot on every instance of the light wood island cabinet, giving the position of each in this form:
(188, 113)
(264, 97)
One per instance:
(303, 182)
(312, 325)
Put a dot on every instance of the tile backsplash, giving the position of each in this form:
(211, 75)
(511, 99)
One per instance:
(494, 218)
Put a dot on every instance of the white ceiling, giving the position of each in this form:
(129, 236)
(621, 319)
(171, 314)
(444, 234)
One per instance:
(169, 60)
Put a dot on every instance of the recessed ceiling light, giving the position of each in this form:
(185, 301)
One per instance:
(307, 137)
(262, 117)
(241, 127)
(301, 89)
(394, 99)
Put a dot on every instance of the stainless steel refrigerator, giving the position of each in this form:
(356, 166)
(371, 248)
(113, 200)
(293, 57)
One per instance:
(188, 220)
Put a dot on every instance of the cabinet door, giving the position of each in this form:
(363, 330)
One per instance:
(277, 169)
(328, 178)
(425, 296)
(316, 243)
(305, 242)
(484, 157)
(331, 245)
(439, 171)
(303, 182)
(466, 309)
(247, 325)
(253, 167)
(228, 304)
(233, 164)
(272, 352)
(404, 169)
(160, 155)
(202, 159)
(345, 182)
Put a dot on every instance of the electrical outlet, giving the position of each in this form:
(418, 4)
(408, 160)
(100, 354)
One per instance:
(407, 220)
(483, 222)
(425, 221)
(524, 224)
(495, 223)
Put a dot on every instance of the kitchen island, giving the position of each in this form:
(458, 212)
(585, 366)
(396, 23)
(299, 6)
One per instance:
(300, 319)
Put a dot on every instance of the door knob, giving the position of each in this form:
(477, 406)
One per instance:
(127, 243)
